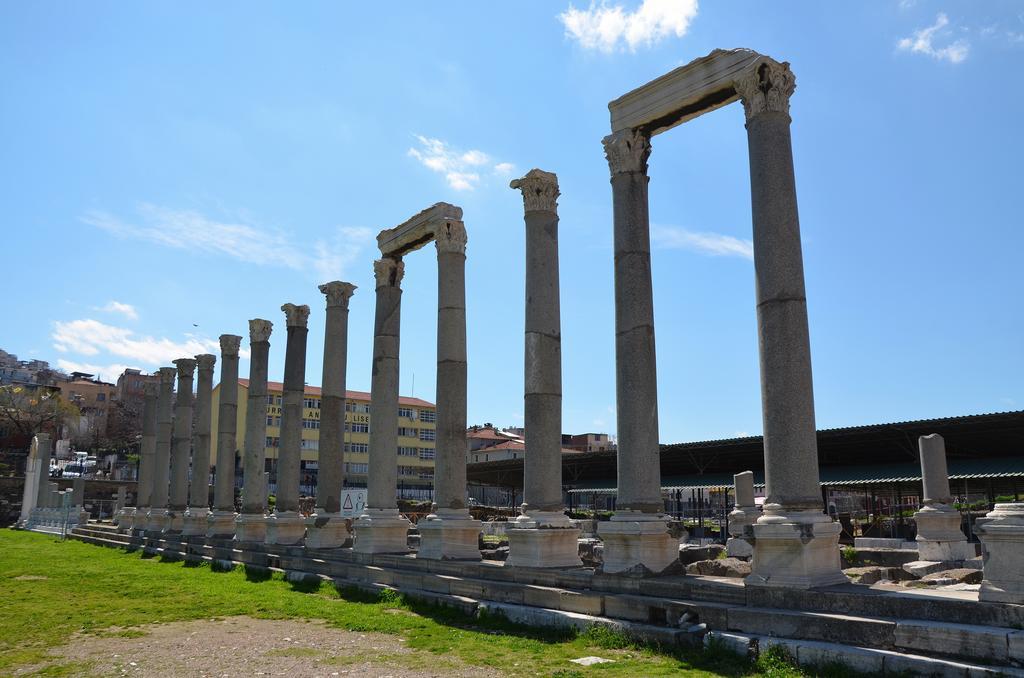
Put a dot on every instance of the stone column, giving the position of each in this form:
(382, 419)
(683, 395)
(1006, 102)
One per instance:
(939, 537)
(250, 525)
(181, 447)
(286, 525)
(147, 457)
(637, 539)
(161, 453)
(795, 541)
(449, 532)
(743, 516)
(221, 521)
(199, 485)
(326, 528)
(1002, 534)
(542, 536)
(381, 529)
(37, 469)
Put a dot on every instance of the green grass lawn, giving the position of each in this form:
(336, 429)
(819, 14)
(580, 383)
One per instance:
(51, 590)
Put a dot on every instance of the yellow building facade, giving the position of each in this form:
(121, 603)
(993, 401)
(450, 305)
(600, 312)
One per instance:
(416, 434)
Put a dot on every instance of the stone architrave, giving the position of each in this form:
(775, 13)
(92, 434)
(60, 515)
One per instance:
(147, 457)
(162, 453)
(939, 537)
(286, 525)
(221, 521)
(250, 525)
(181, 447)
(543, 536)
(36, 471)
(1002, 534)
(198, 512)
(450, 532)
(326, 528)
(742, 518)
(381, 528)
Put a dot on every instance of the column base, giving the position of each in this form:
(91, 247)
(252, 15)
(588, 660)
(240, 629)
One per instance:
(945, 551)
(175, 521)
(639, 544)
(220, 524)
(737, 547)
(251, 527)
(123, 518)
(741, 519)
(800, 550)
(285, 527)
(195, 522)
(543, 539)
(381, 531)
(1002, 533)
(449, 534)
(938, 523)
(326, 531)
(156, 521)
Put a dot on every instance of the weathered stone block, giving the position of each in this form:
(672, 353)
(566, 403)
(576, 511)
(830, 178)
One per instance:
(953, 639)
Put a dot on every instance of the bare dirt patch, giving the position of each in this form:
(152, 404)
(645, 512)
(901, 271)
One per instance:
(242, 646)
(30, 577)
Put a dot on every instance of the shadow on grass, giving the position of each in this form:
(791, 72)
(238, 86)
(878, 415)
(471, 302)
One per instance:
(194, 562)
(257, 574)
(309, 585)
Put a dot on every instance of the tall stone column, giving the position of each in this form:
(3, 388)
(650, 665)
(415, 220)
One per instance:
(161, 453)
(381, 528)
(939, 537)
(543, 535)
(326, 527)
(221, 521)
(147, 456)
(795, 541)
(286, 525)
(37, 468)
(637, 539)
(199, 486)
(449, 532)
(250, 525)
(181, 446)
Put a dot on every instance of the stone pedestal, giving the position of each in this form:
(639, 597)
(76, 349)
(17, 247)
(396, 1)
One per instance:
(220, 524)
(326, 531)
(939, 537)
(449, 534)
(543, 539)
(156, 521)
(250, 527)
(194, 522)
(285, 527)
(174, 522)
(1002, 534)
(382, 531)
(639, 543)
(36, 467)
(798, 551)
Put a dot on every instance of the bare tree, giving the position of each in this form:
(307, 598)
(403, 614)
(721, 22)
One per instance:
(27, 410)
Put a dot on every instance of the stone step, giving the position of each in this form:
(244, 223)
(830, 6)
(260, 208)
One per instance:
(823, 626)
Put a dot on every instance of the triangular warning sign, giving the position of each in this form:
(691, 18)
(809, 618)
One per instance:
(348, 502)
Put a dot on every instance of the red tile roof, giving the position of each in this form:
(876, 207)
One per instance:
(276, 387)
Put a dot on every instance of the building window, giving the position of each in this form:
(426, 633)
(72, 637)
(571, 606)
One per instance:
(358, 448)
(310, 444)
(429, 416)
(357, 468)
(408, 452)
(406, 412)
(310, 423)
(427, 434)
(311, 403)
(100, 397)
(357, 427)
(406, 432)
(427, 473)
(426, 453)
(273, 441)
(273, 421)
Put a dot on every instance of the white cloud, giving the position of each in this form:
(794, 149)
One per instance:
(607, 28)
(713, 244)
(923, 42)
(117, 307)
(461, 169)
(109, 372)
(187, 229)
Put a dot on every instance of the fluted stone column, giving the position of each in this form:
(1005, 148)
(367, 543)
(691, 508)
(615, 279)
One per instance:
(542, 536)
(199, 485)
(939, 537)
(326, 528)
(181, 447)
(162, 453)
(250, 525)
(449, 532)
(743, 516)
(147, 456)
(381, 529)
(637, 539)
(795, 541)
(286, 525)
(221, 521)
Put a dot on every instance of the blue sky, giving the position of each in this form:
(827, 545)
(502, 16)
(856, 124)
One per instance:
(171, 170)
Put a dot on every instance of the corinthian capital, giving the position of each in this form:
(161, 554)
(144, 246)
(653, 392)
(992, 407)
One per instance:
(766, 87)
(627, 151)
(388, 271)
(338, 293)
(150, 390)
(186, 367)
(206, 361)
(259, 330)
(229, 344)
(451, 236)
(296, 316)
(167, 375)
(540, 190)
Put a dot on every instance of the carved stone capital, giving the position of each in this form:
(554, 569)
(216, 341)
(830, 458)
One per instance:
(150, 390)
(766, 87)
(186, 367)
(167, 375)
(338, 293)
(229, 344)
(627, 151)
(259, 330)
(540, 190)
(296, 316)
(206, 361)
(388, 271)
(451, 237)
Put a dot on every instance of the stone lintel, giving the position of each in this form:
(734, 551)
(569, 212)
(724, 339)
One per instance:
(416, 231)
(689, 91)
